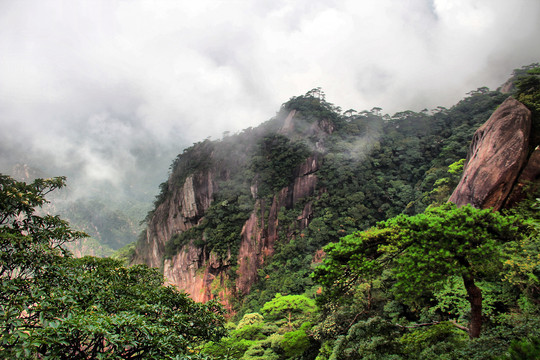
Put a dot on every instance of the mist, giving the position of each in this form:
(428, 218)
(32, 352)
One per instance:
(108, 92)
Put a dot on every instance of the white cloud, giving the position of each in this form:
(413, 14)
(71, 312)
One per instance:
(165, 74)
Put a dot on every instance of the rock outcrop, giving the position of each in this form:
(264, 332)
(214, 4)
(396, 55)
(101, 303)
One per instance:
(528, 181)
(202, 278)
(202, 274)
(179, 212)
(260, 233)
(497, 155)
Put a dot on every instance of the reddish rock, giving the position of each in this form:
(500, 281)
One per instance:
(496, 157)
(179, 212)
(260, 232)
(305, 218)
(203, 276)
(528, 181)
(250, 254)
(288, 124)
(203, 279)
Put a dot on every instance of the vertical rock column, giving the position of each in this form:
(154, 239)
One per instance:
(497, 155)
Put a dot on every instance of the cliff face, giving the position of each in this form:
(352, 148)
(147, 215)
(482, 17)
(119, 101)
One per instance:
(202, 273)
(497, 156)
(260, 233)
(229, 203)
(182, 210)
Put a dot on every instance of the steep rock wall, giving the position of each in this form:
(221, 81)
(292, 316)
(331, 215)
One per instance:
(180, 211)
(261, 231)
(207, 278)
(198, 271)
(498, 153)
(201, 277)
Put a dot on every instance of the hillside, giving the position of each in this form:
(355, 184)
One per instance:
(248, 219)
(248, 211)
(324, 235)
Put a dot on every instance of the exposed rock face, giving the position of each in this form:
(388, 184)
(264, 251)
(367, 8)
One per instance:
(203, 279)
(288, 124)
(206, 278)
(179, 212)
(508, 86)
(497, 155)
(202, 274)
(260, 232)
(530, 177)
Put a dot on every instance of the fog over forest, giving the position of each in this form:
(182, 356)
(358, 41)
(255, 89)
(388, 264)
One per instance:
(108, 92)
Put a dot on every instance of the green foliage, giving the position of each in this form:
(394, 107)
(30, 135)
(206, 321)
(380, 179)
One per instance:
(55, 306)
(295, 343)
(289, 309)
(313, 106)
(258, 331)
(433, 342)
(283, 332)
(521, 266)
(444, 186)
(30, 251)
(223, 226)
(373, 167)
(181, 239)
(451, 299)
(250, 319)
(275, 161)
(194, 159)
(422, 251)
(228, 348)
(371, 339)
(443, 240)
(125, 253)
(524, 350)
(261, 351)
(528, 92)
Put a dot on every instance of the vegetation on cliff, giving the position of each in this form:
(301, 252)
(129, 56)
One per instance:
(370, 263)
(422, 295)
(374, 168)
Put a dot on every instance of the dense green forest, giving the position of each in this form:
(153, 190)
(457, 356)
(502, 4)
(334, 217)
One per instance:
(54, 306)
(375, 167)
(403, 275)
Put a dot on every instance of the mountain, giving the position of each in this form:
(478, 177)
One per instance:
(245, 217)
(326, 235)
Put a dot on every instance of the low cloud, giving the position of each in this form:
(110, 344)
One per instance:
(107, 90)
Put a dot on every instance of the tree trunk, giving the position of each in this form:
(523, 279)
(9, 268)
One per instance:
(475, 299)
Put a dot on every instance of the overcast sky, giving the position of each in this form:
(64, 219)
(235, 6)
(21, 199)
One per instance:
(106, 87)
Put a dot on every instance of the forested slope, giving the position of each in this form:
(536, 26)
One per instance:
(325, 234)
(363, 167)
(245, 219)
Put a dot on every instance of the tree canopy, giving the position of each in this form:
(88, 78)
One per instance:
(55, 306)
(422, 252)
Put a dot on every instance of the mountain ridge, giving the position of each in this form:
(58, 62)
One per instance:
(346, 163)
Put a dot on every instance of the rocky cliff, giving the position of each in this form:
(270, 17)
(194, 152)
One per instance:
(260, 233)
(180, 211)
(242, 218)
(197, 269)
(498, 155)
